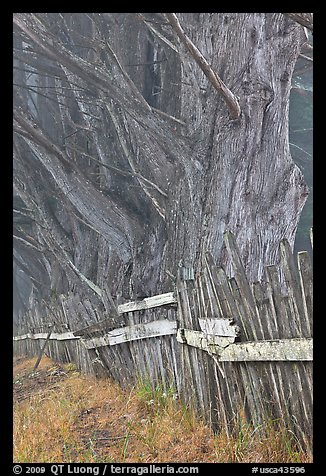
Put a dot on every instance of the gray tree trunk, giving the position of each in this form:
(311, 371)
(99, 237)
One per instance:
(127, 155)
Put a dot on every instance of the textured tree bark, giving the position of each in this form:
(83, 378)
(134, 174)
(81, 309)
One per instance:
(160, 192)
(304, 19)
(246, 180)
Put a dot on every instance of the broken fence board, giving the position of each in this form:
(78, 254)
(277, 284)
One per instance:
(219, 327)
(296, 349)
(41, 335)
(148, 303)
(129, 333)
(210, 343)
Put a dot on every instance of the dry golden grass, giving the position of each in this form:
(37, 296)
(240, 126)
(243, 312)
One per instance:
(81, 419)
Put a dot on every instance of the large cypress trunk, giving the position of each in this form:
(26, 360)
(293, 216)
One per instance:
(139, 151)
(239, 174)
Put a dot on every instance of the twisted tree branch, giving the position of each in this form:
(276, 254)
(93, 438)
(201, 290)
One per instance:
(304, 19)
(229, 98)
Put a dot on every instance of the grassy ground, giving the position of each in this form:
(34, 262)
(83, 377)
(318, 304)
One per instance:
(62, 416)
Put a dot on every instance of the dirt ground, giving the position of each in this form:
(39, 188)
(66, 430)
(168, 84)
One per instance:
(108, 424)
(28, 383)
(63, 416)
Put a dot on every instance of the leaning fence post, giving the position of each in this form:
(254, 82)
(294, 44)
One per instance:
(43, 348)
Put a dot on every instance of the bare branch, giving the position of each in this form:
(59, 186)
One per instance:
(164, 114)
(306, 57)
(30, 88)
(308, 46)
(300, 148)
(63, 257)
(28, 243)
(125, 92)
(129, 156)
(304, 19)
(31, 130)
(114, 225)
(114, 83)
(85, 223)
(157, 32)
(119, 171)
(229, 97)
(81, 276)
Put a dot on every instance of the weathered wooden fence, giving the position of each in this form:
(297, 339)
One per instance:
(229, 347)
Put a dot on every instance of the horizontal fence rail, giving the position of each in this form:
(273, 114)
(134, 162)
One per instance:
(136, 332)
(268, 350)
(148, 303)
(214, 342)
(42, 335)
